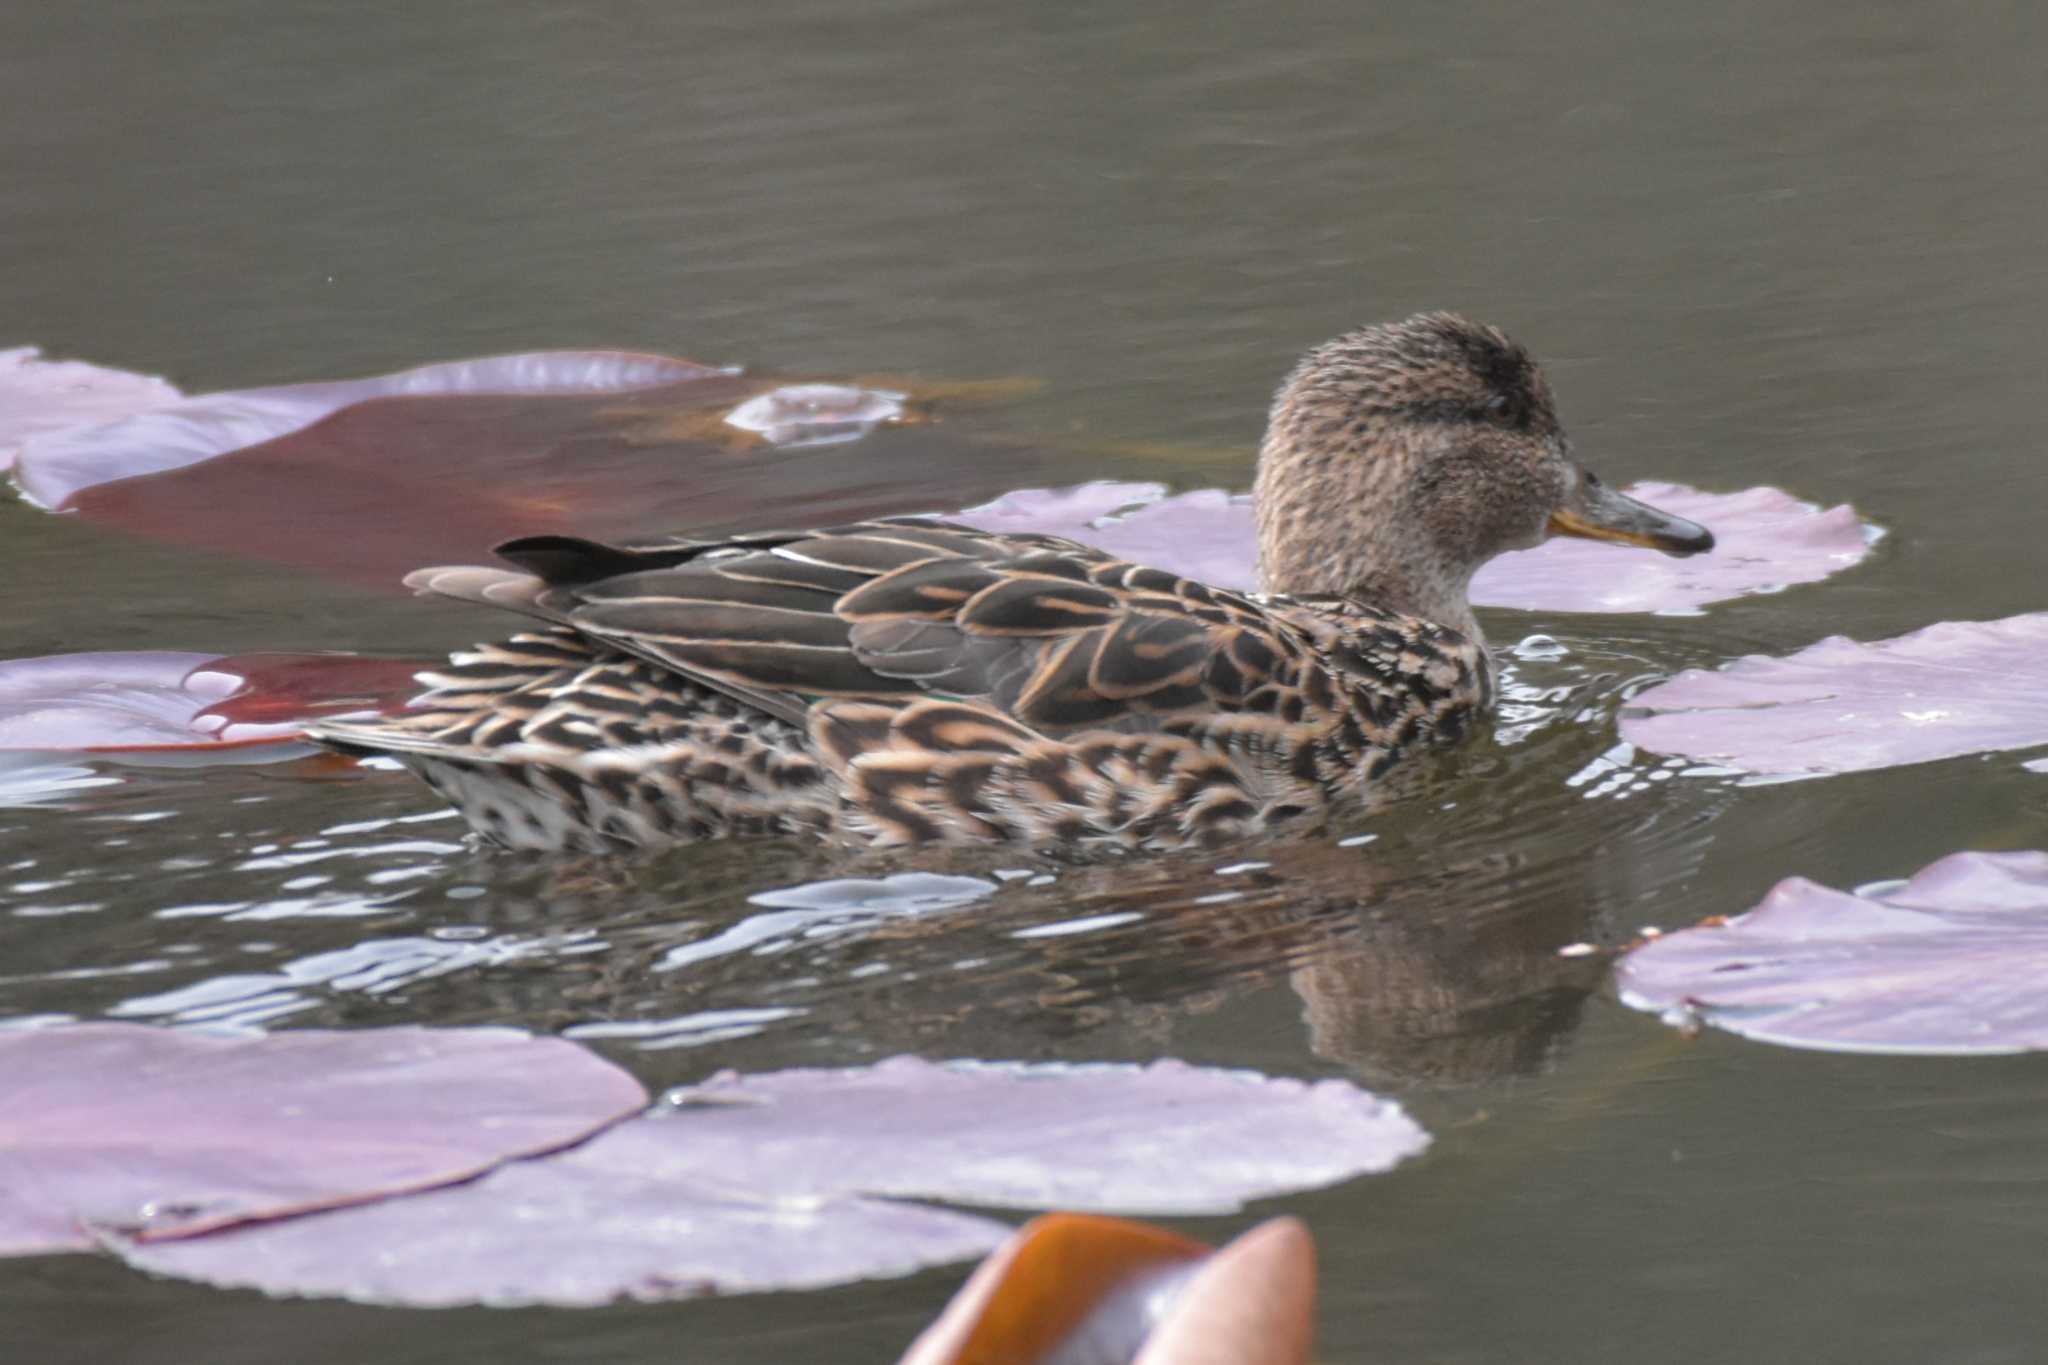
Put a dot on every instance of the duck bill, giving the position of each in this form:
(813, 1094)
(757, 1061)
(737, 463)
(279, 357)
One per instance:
(1596, 512)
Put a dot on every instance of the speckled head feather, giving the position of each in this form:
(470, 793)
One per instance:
(1401, 457)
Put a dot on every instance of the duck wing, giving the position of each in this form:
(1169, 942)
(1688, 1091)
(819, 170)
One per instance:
(1052, 634)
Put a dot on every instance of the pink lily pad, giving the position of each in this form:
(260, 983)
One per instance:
(625, 1219)
(167, 701)
(1766, 540)
(757, 1182)
(1949, 962)
(55, 467)
(1164, 1138)
(39, 395)
(170, 1133)
(1842, 706)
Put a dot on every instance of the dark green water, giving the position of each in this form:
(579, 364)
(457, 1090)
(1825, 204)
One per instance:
(1753, 245)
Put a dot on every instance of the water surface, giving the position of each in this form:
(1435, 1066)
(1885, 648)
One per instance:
(1753, 245)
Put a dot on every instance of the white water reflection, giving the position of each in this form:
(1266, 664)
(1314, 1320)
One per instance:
(829, 909)
(372, 967)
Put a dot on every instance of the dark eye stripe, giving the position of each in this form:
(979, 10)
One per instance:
(1448, 410)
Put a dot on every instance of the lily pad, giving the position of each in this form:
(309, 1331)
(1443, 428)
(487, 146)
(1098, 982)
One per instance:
(55, 468)
(170, 1133)
(1949, 962)
(1167, 1138)
(1843, 706)
(625, 1219)
(1205, 534)
(758, 1182)
(173, 703)
(366, 480)
(39, 395)
(1766, 540)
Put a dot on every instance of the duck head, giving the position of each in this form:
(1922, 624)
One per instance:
(1400, 458)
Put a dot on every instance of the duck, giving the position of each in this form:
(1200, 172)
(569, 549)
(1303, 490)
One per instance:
(911, 680)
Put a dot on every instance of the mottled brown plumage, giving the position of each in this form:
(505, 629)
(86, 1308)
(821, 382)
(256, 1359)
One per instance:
(907, 680)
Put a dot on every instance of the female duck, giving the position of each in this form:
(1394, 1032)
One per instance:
(905, 680)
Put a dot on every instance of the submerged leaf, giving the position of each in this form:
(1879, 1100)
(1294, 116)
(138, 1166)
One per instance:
(1949, 962)
(170, 1133)
(168, 702)
(1842, 705)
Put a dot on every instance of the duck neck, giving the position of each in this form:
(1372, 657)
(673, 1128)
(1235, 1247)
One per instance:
(1315, 537)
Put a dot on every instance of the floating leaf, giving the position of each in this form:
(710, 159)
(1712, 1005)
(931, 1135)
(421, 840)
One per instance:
(1765, 540)
(55, 468)
(1074, 1287)
(171, 702)
(366, 480)
(1206, 534)
(757, 1182)
(625, 1219)
(1842, 706)
(170, 1133)
(1949, 962)
(38, 395)
(1163, 1138)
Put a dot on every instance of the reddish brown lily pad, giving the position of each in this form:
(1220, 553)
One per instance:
(366, 480)
(1842, 706)
(165, 1133)
(165, 701)
(1949, 962)
(54, 468)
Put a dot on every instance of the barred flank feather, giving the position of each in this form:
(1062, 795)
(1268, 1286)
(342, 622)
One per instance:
(902, 681)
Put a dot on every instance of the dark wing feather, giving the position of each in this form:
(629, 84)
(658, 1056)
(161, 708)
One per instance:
(1054, 635)
(1065, 638)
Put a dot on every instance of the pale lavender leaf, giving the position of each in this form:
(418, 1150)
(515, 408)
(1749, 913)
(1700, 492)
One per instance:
(55, 466)
(1843, 706)
(756, 1182)
(1163, 1138)
(1066, 511)
(155, 700)
(1950, 962)
(173, 1132)
(1206, 535)
(39, 395)
(611, 1220)
(1766, 540)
